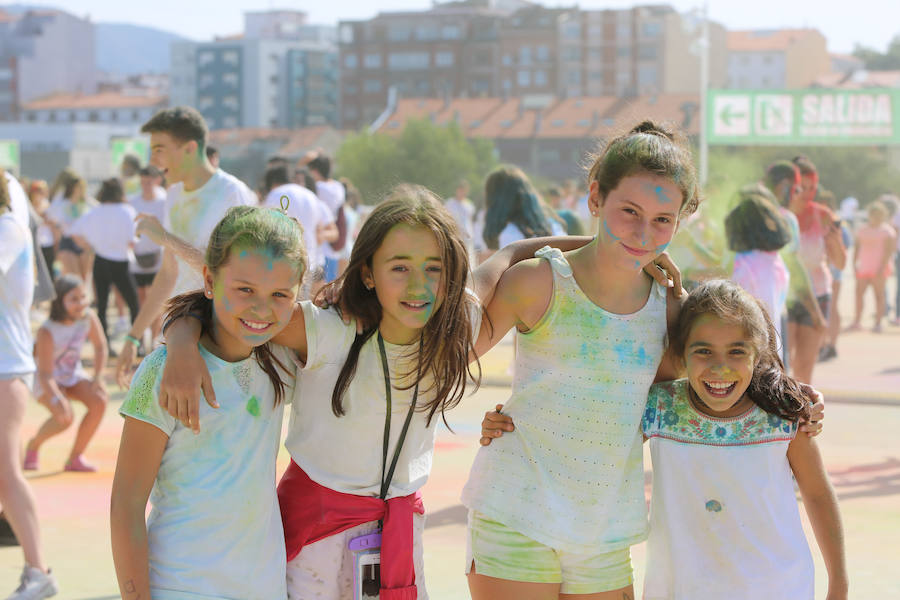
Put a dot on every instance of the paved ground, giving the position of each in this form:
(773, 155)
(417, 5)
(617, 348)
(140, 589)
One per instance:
(860, 444)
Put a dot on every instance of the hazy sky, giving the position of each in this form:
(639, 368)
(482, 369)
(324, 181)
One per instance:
(843, 22)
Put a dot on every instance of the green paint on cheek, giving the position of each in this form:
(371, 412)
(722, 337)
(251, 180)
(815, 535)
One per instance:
(253, 406)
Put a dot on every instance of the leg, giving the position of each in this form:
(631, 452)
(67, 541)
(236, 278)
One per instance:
(807, 351)
(86, 265)
(879, 285)
(69, 262)
(60, 419)
(123, 280)
(897, 286)
(861, 285)
(834, 319)
(792, 344)
(102, 281)
(15, 494)
(482, 587)
(95, 401)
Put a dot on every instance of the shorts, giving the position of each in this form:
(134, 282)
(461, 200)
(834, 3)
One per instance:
(501, 552)
(143, 279)
(67, 243)
(324, 570)
(798, 314)
(38, 390)
(26, 378)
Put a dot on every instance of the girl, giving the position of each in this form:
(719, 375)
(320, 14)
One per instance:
(756, 232)
(47, 235)
(16, 375)
(61, 378)
(215, 530)
(63, 211)
(514, 210)
(554, 508)
(405, 284)
(109, 229)
(150, 200)
(875, 243)
(719, 437)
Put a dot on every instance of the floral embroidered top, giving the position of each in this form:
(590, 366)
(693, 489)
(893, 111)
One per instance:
(724, 520)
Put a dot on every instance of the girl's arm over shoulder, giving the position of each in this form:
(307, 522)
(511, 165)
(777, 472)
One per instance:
(521, 299)
(294, 335)
(669, 366)
(822, 508)
(140, 453)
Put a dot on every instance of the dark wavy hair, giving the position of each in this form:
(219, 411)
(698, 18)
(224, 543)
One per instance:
(770, 387)
(62, 286)
(755, 223)
(447, 338)
(510, 198)
(650, 148)
(246, 227)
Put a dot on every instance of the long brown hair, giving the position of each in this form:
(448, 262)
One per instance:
(246, 227)
(770, 387)
(447, 338)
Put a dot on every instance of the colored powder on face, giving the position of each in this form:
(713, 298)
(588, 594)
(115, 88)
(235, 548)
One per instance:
(714, 506)
(659, 192)
(609, 232)
(253, 406)
(724, 371)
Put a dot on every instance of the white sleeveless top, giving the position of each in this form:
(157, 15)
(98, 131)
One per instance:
(571, 475)
(68, 340)
(724, 520)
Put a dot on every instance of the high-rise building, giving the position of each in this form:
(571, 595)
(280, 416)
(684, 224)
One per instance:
(43, 52)
(281, 72)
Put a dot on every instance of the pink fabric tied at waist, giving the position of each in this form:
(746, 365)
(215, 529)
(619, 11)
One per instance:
(312, 512)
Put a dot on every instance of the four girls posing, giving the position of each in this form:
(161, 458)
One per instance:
(553, 508)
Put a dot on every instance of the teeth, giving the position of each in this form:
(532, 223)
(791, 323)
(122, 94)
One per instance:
(254, 324)
(416, 304)
(718, 385)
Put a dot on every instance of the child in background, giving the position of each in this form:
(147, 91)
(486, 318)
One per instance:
(720, 437)
(756, 232)
(61, 377)
(215, 530)
(64, 210)
(874, 248)
(513, 209)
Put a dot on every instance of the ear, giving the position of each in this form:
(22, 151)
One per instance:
(208, 283)
(367, 278)
(595, 201)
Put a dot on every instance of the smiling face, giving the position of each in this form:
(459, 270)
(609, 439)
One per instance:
(173, 158)
(637, 219)
(406, 274)
(75, 302)
(719, 359)
(253, 298)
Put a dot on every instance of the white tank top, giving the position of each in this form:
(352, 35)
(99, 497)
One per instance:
(67, 343)
(571, 475)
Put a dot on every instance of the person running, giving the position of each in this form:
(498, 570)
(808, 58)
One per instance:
(873, 250)
(61, 377)
(718, 437)
(197, 199)
(215, 529)
(16, 376)
(109, 230)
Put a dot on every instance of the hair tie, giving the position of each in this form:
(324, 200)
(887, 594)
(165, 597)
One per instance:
(285, 203)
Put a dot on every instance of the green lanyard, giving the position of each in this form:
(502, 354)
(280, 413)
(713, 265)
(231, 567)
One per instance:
(386, 481)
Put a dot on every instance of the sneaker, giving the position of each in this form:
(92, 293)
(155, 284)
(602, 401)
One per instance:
(31, 460)
(827, 353)
(34, 584)
(77, 465)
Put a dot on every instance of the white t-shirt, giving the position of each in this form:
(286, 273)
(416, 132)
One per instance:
(332, 193)
(64, 212)
(463, 212)
(315, 434)
(18, 199)
(193, 215)
(306, 208)
(109, 229)
(215, 527)
(16, 292)
(157, 208)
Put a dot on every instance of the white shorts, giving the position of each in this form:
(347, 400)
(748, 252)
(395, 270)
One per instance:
(324, 570)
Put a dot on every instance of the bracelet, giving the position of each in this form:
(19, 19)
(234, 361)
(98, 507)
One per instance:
(133, 340)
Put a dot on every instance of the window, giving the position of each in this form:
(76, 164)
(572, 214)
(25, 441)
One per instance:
(542, 53)
(548, 155)
(351, 88)
(525, 55)
(206, 80)
(422, 87)
(481, 86)
(507, 84)
(399, 33)
(451, 32)
(231, 102)
(595, 75)
(557, 123)
(623, 51)
(205, 58)
(408, 60)
(351, 61)
(372, 60)
(572, 53)
(524, 78)
(647, 75)
(573, 77)
(443, 59)
(230, 79)
(371, 86)
(572, 30)
(231, 57)
(623, 31)
(93, 117)
(651, 29)
(507, 60)
(647, 51)
(426, 33)
(229, 122)
(540, 78)
(346, 34)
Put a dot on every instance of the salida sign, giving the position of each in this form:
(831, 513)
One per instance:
(796, 117)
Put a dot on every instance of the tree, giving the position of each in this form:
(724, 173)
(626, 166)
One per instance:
(434, 156)
(877, 61)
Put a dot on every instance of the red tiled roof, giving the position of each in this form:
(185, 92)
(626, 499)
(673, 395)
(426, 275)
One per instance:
(67, 101)
(759, 40)
(293, 141)
(858, 80)
(571, 118)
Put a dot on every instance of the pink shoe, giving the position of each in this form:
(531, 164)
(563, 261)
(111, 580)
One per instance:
(31, 460)
(78, 465)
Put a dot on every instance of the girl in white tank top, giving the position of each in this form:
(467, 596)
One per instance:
(61, 377)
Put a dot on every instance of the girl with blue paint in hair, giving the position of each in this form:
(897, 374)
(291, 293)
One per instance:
(718, 438)
(514, 210)
(215, 529)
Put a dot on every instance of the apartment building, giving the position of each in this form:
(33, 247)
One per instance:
(776, 58)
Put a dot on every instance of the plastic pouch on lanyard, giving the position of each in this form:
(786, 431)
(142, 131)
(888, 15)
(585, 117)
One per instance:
(366, 550)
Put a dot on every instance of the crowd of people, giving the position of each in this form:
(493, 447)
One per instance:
(369, 321)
